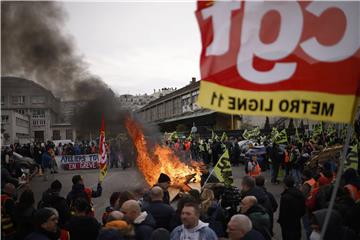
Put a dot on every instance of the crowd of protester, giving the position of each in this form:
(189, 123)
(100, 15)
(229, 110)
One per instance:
(44, 154)
(248, 211)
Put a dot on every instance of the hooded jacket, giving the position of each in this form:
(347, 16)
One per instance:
(144, 225)
(292, 208)
(201, 232)
(260, 220)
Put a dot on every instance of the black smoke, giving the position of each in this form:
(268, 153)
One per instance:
(34, 46)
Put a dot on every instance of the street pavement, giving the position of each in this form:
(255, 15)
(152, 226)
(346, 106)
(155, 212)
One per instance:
(129, 179)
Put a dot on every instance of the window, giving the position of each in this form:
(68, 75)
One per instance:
(38, 122)
(18, 99)
(38, 113)
(56, 135)
(37, 99)
(21, 111)
(69, 134)
(4, 118)
(21, 122)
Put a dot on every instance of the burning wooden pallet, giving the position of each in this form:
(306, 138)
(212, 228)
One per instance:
(189, 184)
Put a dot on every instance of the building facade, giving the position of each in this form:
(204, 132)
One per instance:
(135, 102)
(15, 127)
(63, 131)
(179, 111)
(35, 102)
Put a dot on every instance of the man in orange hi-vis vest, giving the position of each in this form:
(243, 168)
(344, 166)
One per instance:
(253, 167)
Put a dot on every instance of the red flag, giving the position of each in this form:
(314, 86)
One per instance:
(102, 151)
(296, 59)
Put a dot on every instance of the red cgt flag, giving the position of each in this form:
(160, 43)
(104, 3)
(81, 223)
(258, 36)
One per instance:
(102, 151)
(280, 58)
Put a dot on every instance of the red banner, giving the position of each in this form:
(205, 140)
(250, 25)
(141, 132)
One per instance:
(294, 59)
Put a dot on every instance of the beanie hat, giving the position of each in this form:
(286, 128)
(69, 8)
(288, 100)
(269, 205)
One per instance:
(117, 224)
(76, 179)
(163, 178)
(42, 215)
(56, 185)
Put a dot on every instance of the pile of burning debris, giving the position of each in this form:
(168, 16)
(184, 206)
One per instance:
(162, 159)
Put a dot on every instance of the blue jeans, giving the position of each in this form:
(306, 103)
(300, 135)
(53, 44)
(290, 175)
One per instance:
(297, 176)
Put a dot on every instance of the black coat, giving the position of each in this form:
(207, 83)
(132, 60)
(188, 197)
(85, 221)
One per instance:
(144, 229)
(216, 218)
(335, 229)
(52, 199)
(78, 191)
(253, 235)
(273, 202)
(162, 213)
(260, 219)
(261, 196)
(292, 208)
(23, 221)
(83, 227)
(41, 234)
(276, 156)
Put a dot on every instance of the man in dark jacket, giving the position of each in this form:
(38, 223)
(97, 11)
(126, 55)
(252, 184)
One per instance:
(79, 191)
(144, 223)
(82, 226)
(46, 161)
(260, 182)
(292, 208)
(240, 228)
(52, 198)
(163, 182)
(248, 188)
(161, 212)
(276, 159)
(45, 220)
(258, 215)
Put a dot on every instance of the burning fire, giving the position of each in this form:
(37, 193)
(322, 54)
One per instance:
(162, 160)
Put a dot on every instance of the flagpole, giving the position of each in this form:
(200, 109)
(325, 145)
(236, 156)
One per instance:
(207, 179)
(212, 171)
(337, 181)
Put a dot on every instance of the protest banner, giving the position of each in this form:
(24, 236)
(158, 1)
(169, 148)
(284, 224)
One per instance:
(76, 162)
(280, 58)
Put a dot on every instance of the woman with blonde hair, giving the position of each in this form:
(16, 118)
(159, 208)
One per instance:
(212, 213)
(207, 199)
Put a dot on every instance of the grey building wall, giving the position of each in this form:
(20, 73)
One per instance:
(32, 100)
(173, 104)
(16, 127)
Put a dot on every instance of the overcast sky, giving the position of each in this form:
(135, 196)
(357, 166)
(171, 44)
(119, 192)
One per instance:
(136, 47)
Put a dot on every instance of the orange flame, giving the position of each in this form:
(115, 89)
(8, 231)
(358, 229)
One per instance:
(162, 160)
